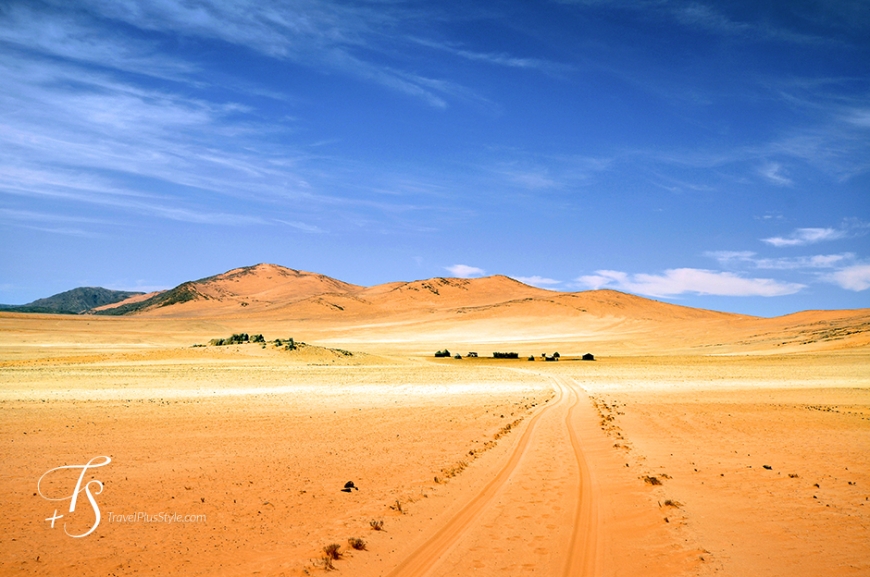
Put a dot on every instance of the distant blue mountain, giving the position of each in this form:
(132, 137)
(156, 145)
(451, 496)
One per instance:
(72, 302)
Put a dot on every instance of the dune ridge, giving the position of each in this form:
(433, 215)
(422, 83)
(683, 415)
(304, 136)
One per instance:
(487, 310)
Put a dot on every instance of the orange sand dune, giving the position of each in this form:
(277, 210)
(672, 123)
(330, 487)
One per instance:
(476, 312)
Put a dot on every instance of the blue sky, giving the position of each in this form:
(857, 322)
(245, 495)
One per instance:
(709, 154)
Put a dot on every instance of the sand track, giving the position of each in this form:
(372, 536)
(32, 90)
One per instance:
(578, 554)
(582, 557)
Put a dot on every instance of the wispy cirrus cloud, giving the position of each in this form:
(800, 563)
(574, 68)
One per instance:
(81, 135)
(730, 258)
(304, 227)
(859, 117)
(331, 36)
(70, 37)
(773, 172)
(496, 58)
(674, 282)
(805, 236)
(539, 172)
(705, 17)
(464, 270)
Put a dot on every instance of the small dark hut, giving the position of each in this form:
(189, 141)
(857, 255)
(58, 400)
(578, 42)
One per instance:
(588, 357)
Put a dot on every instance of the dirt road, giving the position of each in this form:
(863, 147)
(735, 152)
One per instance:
(538, 515)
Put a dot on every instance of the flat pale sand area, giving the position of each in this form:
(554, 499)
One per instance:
(261, 441)
(714, 425)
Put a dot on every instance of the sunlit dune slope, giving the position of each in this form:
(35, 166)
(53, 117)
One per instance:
(261, 286)
(128, 301)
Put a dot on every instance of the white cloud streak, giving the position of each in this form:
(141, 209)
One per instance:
(804, 236)
(498, 59)
(731, 258)
(855, 278)
(464, 270)
(304, 227)
(774, 173)
(538, 281)
(689, 280)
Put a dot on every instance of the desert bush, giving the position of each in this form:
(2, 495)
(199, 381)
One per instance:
(235, 339)
(357, 544)
(505, 355)
(442, 354)
(327, 563)
(332, 551)
(377, 524)
(258, 339)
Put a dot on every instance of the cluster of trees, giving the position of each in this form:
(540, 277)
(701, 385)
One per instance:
(288, 344)
(442, 354)
(505, 355)
(237, 339)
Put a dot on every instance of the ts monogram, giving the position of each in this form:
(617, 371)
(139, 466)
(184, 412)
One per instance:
(73, 497)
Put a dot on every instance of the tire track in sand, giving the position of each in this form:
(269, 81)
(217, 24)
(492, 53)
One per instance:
(426, 557)
(581, 557)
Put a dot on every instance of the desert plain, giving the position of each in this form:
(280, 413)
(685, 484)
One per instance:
(696, 442)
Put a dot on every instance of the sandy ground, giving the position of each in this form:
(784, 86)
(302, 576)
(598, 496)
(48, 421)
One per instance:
(761, 464)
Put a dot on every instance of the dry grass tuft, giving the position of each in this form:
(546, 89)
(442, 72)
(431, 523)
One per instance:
(651, 480)
(377, 524)
(333, 551)
(455, 469)
(357, 544)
